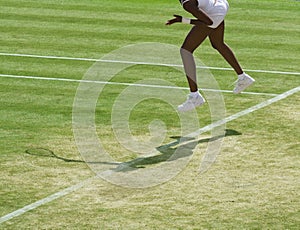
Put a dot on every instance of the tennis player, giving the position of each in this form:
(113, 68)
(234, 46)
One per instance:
(209, 22)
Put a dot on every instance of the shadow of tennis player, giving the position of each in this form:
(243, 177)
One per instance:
(180, 148)
(44, 152)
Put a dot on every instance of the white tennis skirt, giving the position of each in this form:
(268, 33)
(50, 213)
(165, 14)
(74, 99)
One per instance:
(218, 12)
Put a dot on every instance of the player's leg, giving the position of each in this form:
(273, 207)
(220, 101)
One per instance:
(216, 38)
(195, 37)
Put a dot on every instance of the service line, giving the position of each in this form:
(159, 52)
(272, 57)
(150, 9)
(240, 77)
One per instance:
(124, 84)
(141, 63)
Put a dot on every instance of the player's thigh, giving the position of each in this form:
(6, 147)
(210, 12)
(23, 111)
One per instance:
(216, 37)
(195, 37)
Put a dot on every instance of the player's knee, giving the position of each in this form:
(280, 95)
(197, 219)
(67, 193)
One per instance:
(187, 48)
(213, 45)
(185, 52)
(217, 46)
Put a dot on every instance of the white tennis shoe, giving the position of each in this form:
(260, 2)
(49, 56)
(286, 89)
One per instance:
(191, 103)
(242, 83)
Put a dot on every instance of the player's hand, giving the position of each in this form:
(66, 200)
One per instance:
(177, 18)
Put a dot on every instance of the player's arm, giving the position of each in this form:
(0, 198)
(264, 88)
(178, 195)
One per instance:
(191, 6)
(179, 18)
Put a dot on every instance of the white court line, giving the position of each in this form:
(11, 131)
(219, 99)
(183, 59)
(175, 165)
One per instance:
(207, 128)
(141, 63)
(46, 200)
(125, 84)
(245, 112)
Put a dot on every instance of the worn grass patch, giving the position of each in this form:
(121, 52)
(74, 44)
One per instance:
(254, 182)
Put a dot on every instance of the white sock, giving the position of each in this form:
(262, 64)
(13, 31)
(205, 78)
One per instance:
(194, 94)
(241, 75)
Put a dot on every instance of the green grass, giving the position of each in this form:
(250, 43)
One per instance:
(254, 183)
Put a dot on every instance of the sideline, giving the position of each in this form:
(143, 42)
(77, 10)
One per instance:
(46, 200)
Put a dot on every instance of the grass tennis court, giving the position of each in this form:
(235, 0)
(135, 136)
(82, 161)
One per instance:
(46, 49)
